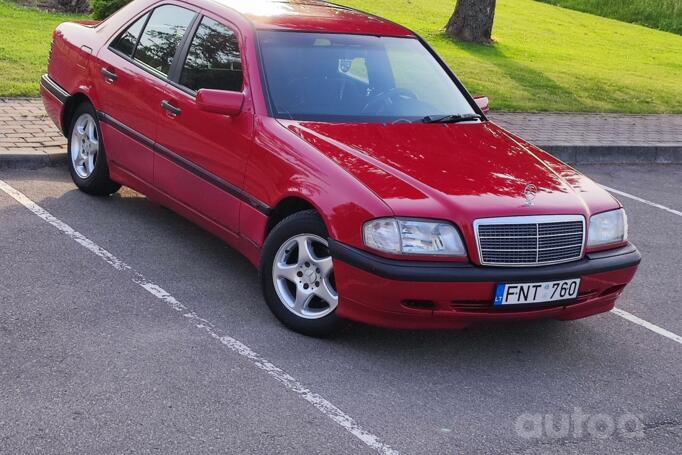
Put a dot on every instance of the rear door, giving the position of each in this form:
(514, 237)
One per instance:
(201, 155)
(132, 73)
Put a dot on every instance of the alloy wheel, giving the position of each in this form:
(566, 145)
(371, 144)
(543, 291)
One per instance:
(303, 275)
(84, 146)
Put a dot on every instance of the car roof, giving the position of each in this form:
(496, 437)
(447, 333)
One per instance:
(312, 16)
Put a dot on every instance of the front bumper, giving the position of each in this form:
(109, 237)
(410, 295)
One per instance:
(414, 295)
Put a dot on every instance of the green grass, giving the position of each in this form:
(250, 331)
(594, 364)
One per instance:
(553, 59)
(25, 36)
(545, 58)
(661, 14)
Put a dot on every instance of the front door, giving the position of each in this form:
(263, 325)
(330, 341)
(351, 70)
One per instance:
(132, 72)
(201, 155)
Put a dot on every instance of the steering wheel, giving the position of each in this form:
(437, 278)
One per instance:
(378, 104)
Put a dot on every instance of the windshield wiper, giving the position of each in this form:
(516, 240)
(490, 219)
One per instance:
(451, 118)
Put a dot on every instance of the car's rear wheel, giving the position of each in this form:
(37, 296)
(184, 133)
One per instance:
(87, 160)
(297, 274)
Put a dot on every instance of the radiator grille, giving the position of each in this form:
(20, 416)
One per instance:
(529, 241)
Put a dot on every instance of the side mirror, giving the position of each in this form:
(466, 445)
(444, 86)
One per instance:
(220, 101)
(483, 103)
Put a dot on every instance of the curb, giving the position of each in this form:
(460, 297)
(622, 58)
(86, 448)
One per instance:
(11, 160)
(570, 154)
(616, 154)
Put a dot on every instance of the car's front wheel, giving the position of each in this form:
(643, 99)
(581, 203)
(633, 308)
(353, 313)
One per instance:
(87, 161)
(297, 274)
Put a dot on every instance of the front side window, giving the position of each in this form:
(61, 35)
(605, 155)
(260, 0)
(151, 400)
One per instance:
(213, 60)
(161, 37)
(126, 41)
(355, 78)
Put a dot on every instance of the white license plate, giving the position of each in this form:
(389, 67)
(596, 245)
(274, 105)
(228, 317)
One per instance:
(530, 293)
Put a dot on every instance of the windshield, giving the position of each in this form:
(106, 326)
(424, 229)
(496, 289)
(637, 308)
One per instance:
(355, 78)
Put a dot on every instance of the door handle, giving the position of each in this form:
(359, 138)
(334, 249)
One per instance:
(110, 76)
(170, 108)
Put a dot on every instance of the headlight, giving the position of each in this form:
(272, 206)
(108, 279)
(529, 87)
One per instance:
(608, 227)
(408, 236)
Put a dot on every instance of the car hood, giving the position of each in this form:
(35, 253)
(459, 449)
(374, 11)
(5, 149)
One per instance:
(460, 171)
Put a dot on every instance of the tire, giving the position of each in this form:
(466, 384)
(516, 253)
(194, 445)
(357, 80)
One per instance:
(87, 159)
(300, 288)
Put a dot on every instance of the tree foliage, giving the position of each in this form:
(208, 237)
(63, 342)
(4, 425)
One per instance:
(101, 9)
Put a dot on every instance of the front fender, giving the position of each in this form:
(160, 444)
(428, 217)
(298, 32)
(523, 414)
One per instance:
(282, 165)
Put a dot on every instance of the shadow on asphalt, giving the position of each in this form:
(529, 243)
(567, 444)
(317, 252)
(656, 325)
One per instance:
(152, 219)
(491, 337)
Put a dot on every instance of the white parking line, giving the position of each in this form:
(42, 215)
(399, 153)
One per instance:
(624, 314)
(639, 199)
(288, 381)
(653, 327)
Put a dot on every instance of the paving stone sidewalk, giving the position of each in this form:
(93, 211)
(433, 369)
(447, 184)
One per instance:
(25, 127)
(594, 129)
(28, 137)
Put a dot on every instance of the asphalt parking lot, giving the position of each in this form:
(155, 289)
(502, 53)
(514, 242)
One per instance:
(141, 333)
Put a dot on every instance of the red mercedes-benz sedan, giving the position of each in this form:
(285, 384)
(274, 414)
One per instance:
(341, 156)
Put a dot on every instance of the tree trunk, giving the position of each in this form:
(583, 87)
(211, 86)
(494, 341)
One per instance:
(472, 21)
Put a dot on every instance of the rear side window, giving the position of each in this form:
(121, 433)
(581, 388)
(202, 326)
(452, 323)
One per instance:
(161, 37)
(126, 41)
(213, 60)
